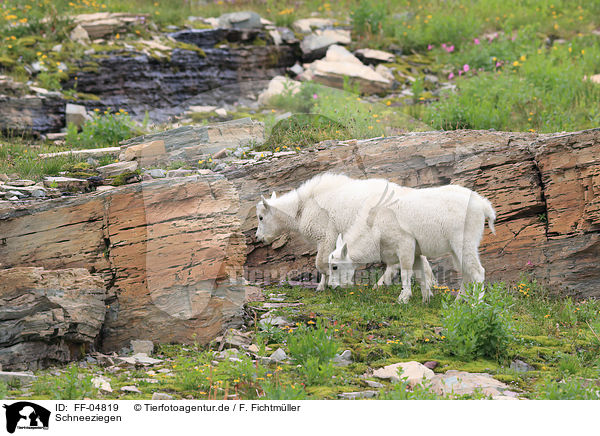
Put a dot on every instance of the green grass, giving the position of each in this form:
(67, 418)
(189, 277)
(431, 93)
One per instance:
(379, 332)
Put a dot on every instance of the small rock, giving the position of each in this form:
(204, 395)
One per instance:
(307, 25)
(343, 359)
(315, 45)
(278, 355)
(161, 396)
(373, 384)
(164, 371)
(102, 384)
(57, 48)
(357, 395)
(220, 154)
(157, 173)
(22, 377)
(144, 359)
(221, 112)
(76, 114)
(277, 321)
(140, 346)
(520, 366)
(131, 389)
(66, 184)
(180, 173)
(80, 35)
(240, 20)
(117, 168)
(278, 86)
(38, 193)
(296, 69)
(370, 56)
(413, 371)
(22, 183)
(431, 364)
(460, 383)
(201, 109)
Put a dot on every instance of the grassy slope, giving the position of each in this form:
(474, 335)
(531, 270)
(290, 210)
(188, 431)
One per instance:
(555, 336)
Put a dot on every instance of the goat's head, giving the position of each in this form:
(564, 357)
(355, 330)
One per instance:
(268, 228)
(341, 267)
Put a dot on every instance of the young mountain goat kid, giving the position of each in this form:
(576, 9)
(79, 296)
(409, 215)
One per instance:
(429, 222)
(320, 209)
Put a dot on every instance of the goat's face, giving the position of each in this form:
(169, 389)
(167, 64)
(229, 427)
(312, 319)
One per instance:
(268, 228)
(341, 267)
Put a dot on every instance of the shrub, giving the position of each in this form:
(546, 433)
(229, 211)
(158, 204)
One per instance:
(306, 343)
(313, 348)
(103, 130)
(477, 325)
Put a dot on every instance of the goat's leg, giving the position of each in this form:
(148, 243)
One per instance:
(388, 276)
(406, 256)
(424, 276)
(322, 266)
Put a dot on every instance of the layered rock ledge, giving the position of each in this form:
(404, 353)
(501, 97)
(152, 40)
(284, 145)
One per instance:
(172, 253)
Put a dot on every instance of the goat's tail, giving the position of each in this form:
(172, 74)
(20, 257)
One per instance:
(490, 214)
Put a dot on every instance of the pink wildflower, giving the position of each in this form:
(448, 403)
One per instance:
(460, 72)
(498, 64)
(315, 96)
(429, 47)
(451, 76)
(466, 67)
(476, 41)
(450, 49)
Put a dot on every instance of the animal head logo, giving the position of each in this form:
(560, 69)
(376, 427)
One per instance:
(26, 415)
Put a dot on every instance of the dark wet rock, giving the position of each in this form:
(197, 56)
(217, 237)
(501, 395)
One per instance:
(164, 87)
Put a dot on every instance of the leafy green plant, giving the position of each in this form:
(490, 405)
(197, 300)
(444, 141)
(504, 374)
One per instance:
(278, 391)
(315, 371)
(3, 390)
(313, 348)
(193, 373)
(569, 389)
(307, 343)
(69, 386)
(403, 391)
(369, 16)
(478, 324)
(103, 130)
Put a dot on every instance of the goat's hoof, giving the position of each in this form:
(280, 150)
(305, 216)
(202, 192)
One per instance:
(403, 300)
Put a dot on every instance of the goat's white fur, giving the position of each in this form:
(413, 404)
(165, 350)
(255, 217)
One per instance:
(429, 222)
(320, 209)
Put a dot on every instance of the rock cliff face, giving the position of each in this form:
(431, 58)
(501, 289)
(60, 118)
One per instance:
(169, 252)
(545, 188)
(48, 316)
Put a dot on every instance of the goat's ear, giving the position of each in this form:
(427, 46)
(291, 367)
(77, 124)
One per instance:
(273, 196)
(345, 250)
(340, 241)
(265, 202)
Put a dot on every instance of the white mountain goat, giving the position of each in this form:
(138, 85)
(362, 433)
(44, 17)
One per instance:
(429, 222)
(319, 210)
